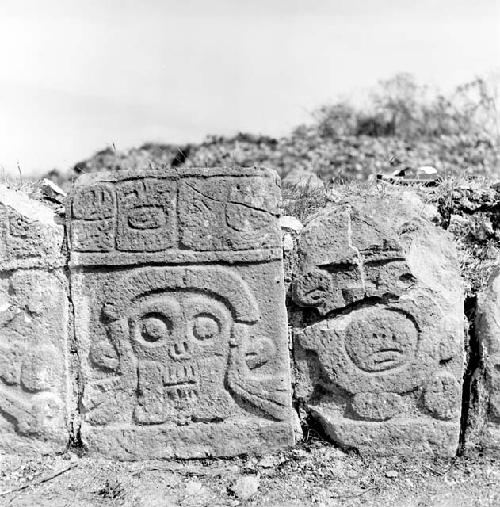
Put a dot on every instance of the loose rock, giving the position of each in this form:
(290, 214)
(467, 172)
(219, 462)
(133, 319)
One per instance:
(245, 487)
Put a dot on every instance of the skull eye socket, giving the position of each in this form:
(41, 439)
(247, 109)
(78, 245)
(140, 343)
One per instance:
(154, 327)
(205, 327)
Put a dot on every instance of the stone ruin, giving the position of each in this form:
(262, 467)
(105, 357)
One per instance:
(156, 320)
(34, 327)
(180, 323)
(379, 343)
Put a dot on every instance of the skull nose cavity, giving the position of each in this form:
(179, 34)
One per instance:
(180, 349)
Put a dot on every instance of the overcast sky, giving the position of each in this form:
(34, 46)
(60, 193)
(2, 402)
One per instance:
(76, 76)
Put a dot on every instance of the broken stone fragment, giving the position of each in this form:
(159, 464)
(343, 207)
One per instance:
(378, 333)
(245, 487)
(31, 234)
(292, 224)
(34, 323)
(51, 191)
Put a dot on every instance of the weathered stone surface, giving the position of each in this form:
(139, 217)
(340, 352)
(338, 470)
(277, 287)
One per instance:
(29, 233)
(33, 327)
(183, 347)
(51, 192)
(485, 428)
(378, 342)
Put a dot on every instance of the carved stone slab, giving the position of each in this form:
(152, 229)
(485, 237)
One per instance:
(33, 327)
(378, 342)
(179, 313)
(484, 424)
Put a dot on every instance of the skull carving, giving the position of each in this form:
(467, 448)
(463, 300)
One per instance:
(188, 347)
(181, 341)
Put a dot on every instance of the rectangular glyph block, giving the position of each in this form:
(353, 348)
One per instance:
(179, 313)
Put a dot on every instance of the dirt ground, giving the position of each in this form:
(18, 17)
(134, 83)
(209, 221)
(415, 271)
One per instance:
(313, 473)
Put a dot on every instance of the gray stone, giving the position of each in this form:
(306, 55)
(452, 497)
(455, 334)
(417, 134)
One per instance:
(34, 322)
(292, 224)
(51, 191)
(485, 429)
(245, 487)
(177, 282)
(378, 344)
(290, 228)
(30, 233)
(288, 242)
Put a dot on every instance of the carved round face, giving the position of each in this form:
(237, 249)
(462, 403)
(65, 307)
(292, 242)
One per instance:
(386, 342)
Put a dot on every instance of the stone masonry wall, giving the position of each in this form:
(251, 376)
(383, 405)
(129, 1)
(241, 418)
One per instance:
(151, 323)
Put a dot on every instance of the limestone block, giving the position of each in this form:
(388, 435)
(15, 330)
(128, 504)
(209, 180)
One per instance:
(180, 322)
(33, 327)
(378, 347)
(485, 430)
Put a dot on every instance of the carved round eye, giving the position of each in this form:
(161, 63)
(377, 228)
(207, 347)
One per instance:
(205, 327)
(154, 327)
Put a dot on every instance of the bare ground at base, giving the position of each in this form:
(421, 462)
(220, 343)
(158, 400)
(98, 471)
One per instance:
(310, 474)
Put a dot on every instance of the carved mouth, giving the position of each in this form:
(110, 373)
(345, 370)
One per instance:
(180, 376)
(387, 358)
(183, 383)
(182, 392)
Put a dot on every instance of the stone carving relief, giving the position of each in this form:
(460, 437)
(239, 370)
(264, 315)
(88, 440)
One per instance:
(32, 361)
(195, 343)
(154, 214)
(379, 353)
(34, 324)
(243, 210)
(181, 341)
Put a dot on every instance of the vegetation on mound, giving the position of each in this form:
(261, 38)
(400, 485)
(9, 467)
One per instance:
(401, 124)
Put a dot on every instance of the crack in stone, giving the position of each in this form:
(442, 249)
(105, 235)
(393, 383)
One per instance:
(359, 256)
(237, 203)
